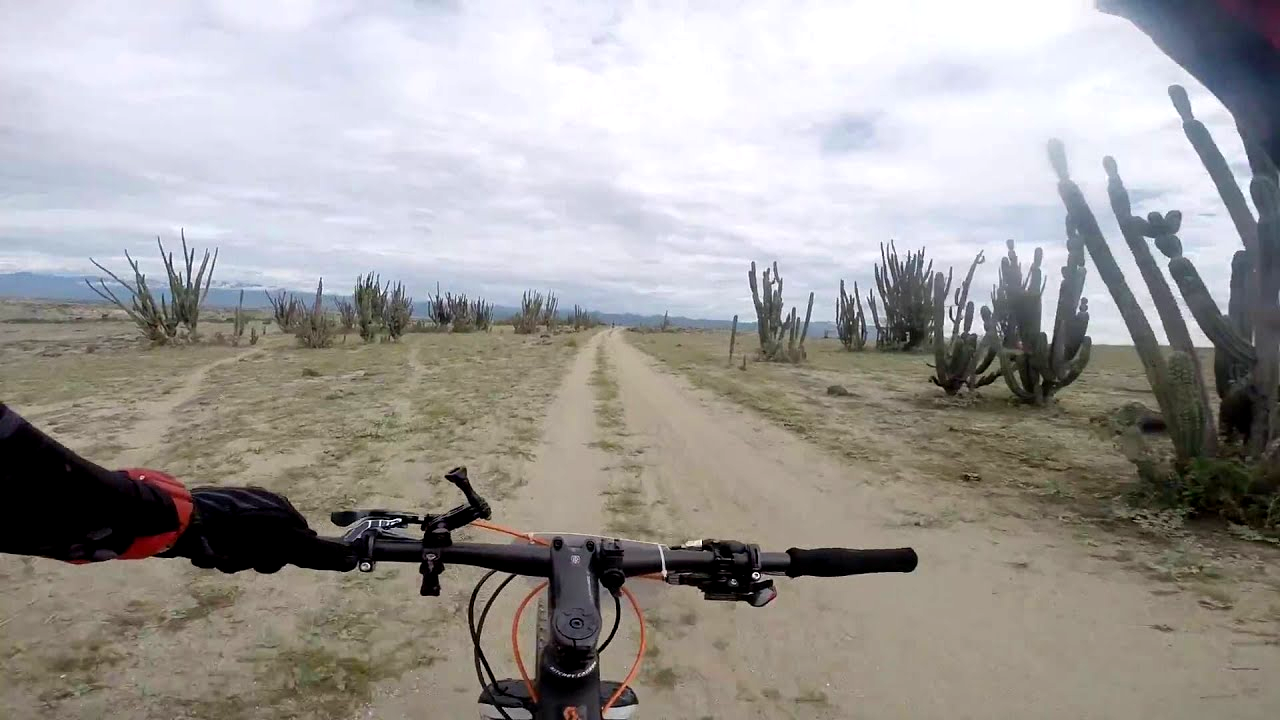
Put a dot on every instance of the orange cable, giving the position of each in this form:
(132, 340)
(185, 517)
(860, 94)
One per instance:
(515, 623)
(515, 639)
(508, 531)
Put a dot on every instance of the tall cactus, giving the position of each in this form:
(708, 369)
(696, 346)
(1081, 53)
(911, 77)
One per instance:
(316, 328)
(851, 322)
(1246, 346)
(1082, 224)
(1034, 366)
(906, 298)
(160, 322)
(397, 312)
(186, 291)
(370, 298)
(961, 362)
(526, 323)
(781, 340)
(239, 321)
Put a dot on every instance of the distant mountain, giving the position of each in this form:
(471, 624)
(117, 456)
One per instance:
(42, 286)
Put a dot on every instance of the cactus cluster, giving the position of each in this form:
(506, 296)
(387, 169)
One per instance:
(1246, 345)
(781, 338)
(370, 300)
(1034, 365)
(906, 298)
(851, 321)
(536, 310)
(172, 319)
(962, 362)
(288, 310)
(346, 315)
(458, 313)
(397, 312)
(583, 320)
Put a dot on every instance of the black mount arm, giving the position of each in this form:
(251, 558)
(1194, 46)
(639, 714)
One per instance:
(437, 529)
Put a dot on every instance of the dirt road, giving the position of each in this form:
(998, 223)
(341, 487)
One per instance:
(997, 622)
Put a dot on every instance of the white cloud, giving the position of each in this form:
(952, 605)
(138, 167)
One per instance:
(633, 155)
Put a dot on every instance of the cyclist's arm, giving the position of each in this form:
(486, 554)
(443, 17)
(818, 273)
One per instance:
(65, 507)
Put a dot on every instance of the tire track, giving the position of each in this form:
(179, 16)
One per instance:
(970, 634)
(160, 415)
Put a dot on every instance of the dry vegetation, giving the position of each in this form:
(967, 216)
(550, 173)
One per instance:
(352, 425)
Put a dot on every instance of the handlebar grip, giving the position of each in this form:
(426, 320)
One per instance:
(838, 562)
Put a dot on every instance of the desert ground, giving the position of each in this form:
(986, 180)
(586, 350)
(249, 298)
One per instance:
(1040, 592)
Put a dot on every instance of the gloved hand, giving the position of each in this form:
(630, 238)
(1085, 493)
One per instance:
(242, 528)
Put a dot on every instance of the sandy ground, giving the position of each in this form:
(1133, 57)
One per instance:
(1002, 622)
(1006, 616)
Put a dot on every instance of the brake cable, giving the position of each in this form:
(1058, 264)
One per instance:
(515, 623)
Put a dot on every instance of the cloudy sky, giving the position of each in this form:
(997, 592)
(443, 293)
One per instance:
(631, 155)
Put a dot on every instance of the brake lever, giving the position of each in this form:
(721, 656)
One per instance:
(362, 534)
(736, 576)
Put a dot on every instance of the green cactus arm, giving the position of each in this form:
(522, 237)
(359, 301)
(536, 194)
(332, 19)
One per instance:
(1134, 231)
(939, 339)
(1205, 310)
(808, 313)
(1069, 295)
(1266, 369)
(1076, 364)
(1219, 171)
(1186, 409)
(1081, 222)
(1009, 362)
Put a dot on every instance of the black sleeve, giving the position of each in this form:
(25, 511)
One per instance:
(62, 506)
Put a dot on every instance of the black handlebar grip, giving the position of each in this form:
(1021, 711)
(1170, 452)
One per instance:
(838, 562)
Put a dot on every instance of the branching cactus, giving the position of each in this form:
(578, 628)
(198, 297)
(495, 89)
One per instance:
(187, 291)
(288, 310)
(963, 361)
(439, 309)
(1246, 347)
(397, 312)
(851, 322)
(906, 295)
(346, 315)
(1034, 366)
(160, 321)
(781, 340)
(316, 330)
(526, 323)
(550, 311)
(481, 314)
(370, 299)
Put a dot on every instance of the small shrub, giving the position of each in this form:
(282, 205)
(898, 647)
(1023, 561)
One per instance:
(1226, 487)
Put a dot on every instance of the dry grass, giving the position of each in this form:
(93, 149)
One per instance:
(893, 417)
(368, 431)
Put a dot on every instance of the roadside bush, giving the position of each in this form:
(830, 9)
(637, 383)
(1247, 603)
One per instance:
(1229, 488)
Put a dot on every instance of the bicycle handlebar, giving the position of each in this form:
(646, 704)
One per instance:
(535, 560)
